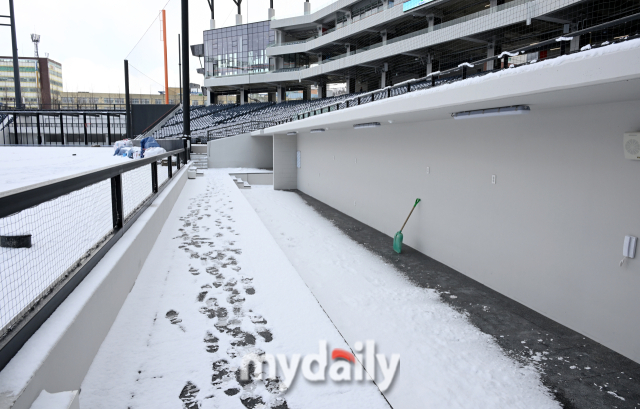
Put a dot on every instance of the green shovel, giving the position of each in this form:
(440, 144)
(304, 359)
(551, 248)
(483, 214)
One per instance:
(397, 240)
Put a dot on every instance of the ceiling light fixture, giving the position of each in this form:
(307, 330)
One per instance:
(294, 133)
(511, 110)
(318, 130)
(366, 125)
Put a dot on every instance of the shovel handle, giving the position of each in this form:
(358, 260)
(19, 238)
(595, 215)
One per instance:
(414, 206)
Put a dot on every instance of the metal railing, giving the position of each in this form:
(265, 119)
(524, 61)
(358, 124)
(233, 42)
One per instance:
(70, 223)
(240, 128)
(64, 127)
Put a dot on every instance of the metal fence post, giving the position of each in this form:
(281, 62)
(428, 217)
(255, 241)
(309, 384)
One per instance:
(184, 145)
(15, 128)
(61, 128)
(505, 61)
(464, 72)
(433, 80)
(39, 134)
(108, 129)
(84, 125)
(169, 162)
(154, 177)
(178, 161)
(116, 202)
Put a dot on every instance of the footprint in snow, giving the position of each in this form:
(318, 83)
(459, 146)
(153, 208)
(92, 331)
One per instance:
(188, 396)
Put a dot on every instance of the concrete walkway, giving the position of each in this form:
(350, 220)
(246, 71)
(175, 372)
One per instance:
(215, 288)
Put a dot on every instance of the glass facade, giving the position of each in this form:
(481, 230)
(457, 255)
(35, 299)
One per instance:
(237, 50)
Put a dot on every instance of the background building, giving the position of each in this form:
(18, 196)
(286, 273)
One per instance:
(40, 82)
(106, 100)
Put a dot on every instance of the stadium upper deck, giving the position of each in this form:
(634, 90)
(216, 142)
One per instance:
(370, 44)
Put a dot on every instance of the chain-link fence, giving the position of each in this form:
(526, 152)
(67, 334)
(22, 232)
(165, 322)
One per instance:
(52, 235)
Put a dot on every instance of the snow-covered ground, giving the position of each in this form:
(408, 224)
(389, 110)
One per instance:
(445, 361)
(215, 288)
(84, 215)
(27, 165)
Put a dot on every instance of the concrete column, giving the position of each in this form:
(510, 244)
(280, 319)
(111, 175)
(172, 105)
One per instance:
(348, 47)
(241, 97)
(432, 20)
(319, 28)
(383, 34)
(281, 94)
(575, 44)
(272, 14)
(351, 85)
(429, 64)
(212, 24)
(238, 19)
(277, 36)
(383, 78)
(322, 91)
(306, 93)
(492, 5)
(307, 8)
(271, 96)
(490, 53)
(285, 171)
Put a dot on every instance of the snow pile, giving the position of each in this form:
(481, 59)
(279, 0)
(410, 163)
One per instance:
(446, 362)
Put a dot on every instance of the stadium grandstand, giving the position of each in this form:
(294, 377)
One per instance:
(369, 45)
(382, 49)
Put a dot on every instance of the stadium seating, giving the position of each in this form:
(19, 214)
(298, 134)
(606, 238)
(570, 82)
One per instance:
(219, 121)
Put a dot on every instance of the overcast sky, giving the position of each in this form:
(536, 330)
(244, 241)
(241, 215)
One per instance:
(91, 39)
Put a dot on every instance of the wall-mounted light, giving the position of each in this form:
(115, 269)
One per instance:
(294, 133)
(512, 110)
(318, 130)
(366, 125)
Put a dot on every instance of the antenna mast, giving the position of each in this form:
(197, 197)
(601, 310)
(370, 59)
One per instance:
(36, 39)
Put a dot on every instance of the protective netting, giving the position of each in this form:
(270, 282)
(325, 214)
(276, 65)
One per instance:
(136, 188)
(63, 232)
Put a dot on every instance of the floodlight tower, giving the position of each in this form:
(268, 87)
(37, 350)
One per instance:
(239, 15)
(36, 40)
(212, 23)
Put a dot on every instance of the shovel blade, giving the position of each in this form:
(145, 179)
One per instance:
(397, 242)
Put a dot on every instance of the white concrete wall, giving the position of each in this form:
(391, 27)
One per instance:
(284, 162)
(57, 357)
(241, 151)
(548, 234)
(255, 178)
